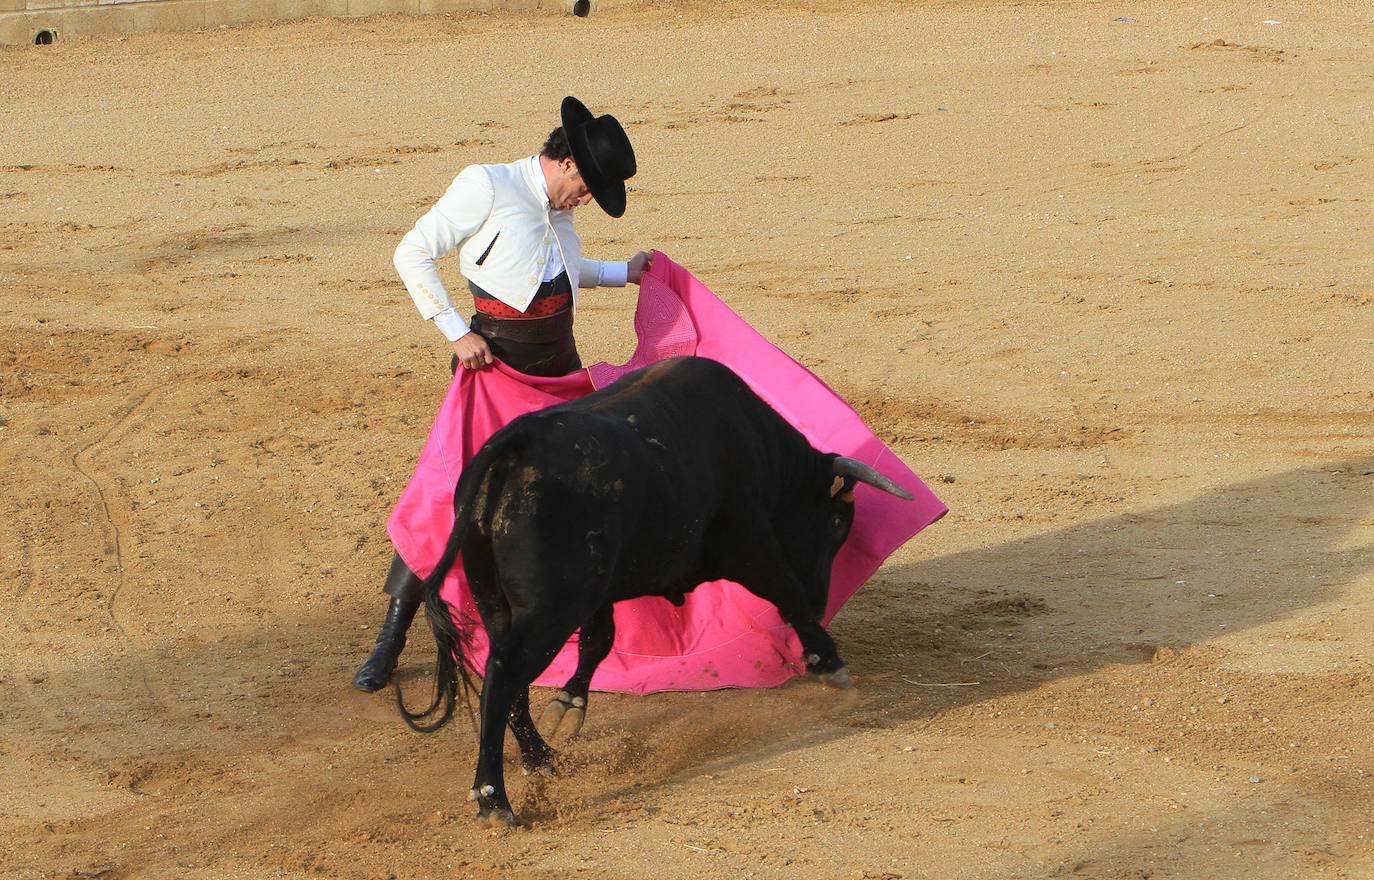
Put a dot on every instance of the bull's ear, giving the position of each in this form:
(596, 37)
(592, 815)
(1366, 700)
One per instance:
(836, 486)
(843, 487)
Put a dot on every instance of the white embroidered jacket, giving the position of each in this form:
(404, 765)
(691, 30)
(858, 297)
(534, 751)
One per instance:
(508, 242)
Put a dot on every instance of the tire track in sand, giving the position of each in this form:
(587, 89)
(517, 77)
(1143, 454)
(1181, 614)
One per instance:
(114, 528)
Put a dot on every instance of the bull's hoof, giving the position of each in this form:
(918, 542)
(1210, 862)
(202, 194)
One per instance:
(544, 764)
(839, 678)
(549, 770)
(562, 718)
(490, 809)
(498, 817)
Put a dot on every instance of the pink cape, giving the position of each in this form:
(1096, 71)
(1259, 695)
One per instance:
(723, 636)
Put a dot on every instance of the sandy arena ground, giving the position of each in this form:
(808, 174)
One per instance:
(1101, 272)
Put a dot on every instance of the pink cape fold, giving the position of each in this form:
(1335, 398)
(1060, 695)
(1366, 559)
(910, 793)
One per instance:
(723, 635)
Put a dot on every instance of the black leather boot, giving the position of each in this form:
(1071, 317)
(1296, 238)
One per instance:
(376, 671)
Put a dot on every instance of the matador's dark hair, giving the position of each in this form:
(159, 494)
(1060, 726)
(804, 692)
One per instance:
(556, 147)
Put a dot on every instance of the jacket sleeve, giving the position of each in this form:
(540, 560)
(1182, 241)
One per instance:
(461, 212)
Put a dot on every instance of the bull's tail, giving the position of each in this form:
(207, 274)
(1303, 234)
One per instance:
(453, 643)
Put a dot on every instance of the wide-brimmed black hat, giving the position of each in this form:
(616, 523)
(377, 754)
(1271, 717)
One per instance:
(602, 152)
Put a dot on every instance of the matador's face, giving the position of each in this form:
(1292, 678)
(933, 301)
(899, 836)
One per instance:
(566, 187)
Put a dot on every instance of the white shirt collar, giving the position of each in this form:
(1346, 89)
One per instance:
(554, 260)
(543, 182)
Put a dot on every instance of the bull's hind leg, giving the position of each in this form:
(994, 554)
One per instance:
(526, 649)
(568, 708)
(535, 754)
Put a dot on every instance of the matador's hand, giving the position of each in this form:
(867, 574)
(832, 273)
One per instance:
(473, 351)
(639, 264)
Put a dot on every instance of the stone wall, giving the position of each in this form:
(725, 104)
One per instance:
(40, 21)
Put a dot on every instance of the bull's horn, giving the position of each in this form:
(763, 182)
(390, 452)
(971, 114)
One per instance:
(857, 470)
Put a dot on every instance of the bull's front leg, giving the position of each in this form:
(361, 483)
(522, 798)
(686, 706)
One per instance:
(767, 573)
(818, 648)
(821, 656)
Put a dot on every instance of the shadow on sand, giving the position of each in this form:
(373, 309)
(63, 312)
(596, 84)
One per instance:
(1011, 616)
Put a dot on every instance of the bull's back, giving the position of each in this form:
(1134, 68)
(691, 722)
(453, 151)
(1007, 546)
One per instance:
(692, 398)
(644, 468)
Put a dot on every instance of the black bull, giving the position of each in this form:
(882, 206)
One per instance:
(676, 475)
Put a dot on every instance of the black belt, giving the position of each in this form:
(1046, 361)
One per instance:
(550, 328)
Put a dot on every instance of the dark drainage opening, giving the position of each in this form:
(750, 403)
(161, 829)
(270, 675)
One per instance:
(582, 8)
(45, 37)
